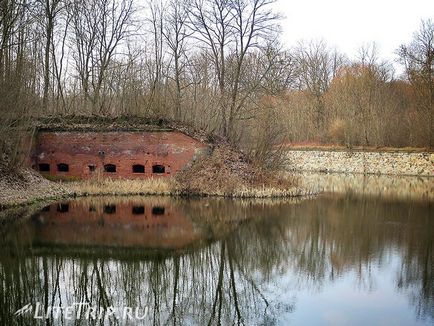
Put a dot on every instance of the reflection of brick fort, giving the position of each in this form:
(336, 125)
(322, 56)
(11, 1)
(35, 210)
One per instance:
(123, 224)
(118, 154)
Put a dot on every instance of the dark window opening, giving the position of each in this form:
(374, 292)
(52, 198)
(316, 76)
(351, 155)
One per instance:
(158, 169)
(62, 167)
(63, 208)
(44, 167)
(46, 209)
(110, 168)
(92, 208)
(157, 210)
(138, 168)
(92, 168)
(138, 210)
(110, 209)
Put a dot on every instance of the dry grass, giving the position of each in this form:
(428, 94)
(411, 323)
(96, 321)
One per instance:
(264, 192)
(333, 147)
(220, 185)
(228, 173)
(224, 173)
(170, 187)
(122, 187)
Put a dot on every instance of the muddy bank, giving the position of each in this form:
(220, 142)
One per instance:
(27, 186)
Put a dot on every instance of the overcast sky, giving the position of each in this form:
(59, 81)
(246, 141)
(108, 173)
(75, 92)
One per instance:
(347, 25)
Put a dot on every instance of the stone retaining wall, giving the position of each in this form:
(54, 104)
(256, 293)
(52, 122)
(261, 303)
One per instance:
(389, 163)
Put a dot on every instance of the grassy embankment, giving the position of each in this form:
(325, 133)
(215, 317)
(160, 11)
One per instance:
(51, 190)
(224, 171)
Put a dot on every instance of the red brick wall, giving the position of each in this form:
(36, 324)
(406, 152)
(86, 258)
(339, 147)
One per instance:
(173, 150)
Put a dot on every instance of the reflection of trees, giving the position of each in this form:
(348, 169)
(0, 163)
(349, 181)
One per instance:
(417, 274)
(213, 285)
(222, 283)
(333, 236)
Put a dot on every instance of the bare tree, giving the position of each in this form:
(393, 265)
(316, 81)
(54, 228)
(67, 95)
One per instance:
(85, 42)
(316, 66)
(211, 20)
(255, 24)
(176, 34)
(358, 102)
(418, 59)
(18, 79)
(100, 26)
(51, 9)
(156, 63)
(230, 29)
(60, 58)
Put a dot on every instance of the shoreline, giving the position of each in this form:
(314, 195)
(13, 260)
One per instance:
(29, 187)
(393, 187)
(56, 191)
(309, 184)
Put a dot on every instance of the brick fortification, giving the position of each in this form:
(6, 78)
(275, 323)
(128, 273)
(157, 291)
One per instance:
(117, 154)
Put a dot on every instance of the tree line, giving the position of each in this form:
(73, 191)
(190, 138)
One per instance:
(215, 64)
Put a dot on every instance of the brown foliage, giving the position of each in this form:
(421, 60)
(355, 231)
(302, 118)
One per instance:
(363, 107)
(225, 171)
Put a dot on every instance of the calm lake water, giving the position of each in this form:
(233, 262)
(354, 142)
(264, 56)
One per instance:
(328, 260)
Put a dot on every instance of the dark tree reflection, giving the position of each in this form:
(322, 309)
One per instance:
(222, 277)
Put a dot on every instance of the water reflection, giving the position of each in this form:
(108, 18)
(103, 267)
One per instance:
(111, 222)
(385, 186)
(268, 270)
